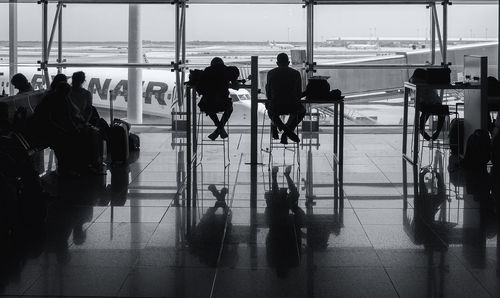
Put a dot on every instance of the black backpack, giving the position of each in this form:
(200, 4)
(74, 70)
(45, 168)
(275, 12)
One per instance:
(456, 136)
(477, 153)
(134, 142)
(493, 87)
(317, 89)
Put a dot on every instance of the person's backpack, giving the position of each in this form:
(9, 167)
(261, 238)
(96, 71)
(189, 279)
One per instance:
(194, 79)
(493, 86)
(456, 136)
(317, 89)
(134, 142)
(438, 75)
(477, 153)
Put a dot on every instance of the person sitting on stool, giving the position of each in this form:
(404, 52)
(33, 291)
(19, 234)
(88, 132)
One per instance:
(430, 104)
(284, 90)
(213, 86)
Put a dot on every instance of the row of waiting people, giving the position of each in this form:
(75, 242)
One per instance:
(63, 120)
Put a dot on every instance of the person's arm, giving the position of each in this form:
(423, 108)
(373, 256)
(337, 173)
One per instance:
(298, 83)
(88, 108)
(268, 86)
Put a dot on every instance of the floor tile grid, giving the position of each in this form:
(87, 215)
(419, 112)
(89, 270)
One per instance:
(387, 268)
(179, 190)
(378, 256)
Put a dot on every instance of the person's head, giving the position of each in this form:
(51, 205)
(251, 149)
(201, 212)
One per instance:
(58, 79)
(419, 76)
(217, 61)
(282, 59)
(77, 79)
(62, 88)
(20, 82)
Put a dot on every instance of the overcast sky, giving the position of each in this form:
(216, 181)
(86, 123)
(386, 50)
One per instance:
(254, 22)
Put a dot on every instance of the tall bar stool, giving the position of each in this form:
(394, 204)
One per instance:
(442, 142)
(224, 143)
(292, 147)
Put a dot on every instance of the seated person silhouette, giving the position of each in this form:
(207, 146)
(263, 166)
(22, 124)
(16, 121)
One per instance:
(284, 90)
(430, 104)
(41, 116)
(20, 82)
(205, 238)
(81, 97)
(213, 86)
(284, 240)
(63, 129)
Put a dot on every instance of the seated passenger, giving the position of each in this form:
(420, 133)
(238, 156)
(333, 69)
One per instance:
(213, 86)
(284, 90)
(20, 82)
(430, 104)
(63, 130)
(41, 117)
(81, 97)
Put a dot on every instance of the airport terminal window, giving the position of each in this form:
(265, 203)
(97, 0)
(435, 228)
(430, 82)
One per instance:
(237, 32)
(474, 25)
(367, 35)
(103, 41)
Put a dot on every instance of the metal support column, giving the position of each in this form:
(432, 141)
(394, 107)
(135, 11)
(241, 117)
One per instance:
(432, 7)
(134, 99)
(53, 30)
(178, 41)
(60, 38)
(445, 31)
(183, 41)
(12, 41)
(438, 30)
(189, 152)
(253, 131)
(45, 43)
(309, 5)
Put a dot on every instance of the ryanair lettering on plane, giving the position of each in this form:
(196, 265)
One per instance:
(156, 89)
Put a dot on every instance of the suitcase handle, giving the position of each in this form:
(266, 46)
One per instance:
(110, 107)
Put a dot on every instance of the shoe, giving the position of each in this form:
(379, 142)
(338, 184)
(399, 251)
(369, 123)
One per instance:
(223, 133)
(284, 139)
(288, 170)
(292, 136)
(274, 132)
(214, 135)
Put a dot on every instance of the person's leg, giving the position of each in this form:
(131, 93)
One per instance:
(274, 115)
(293, 196)
(295, 118)
(227, 113)
(225, 117)
(274, 176)
(216, 121)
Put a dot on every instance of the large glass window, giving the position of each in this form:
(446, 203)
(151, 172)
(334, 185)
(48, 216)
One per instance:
(237, 32)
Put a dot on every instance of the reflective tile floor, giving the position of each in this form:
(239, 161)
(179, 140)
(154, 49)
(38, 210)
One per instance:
(130, 233)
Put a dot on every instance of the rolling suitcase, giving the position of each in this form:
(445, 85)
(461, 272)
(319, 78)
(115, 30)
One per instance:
(118, 138)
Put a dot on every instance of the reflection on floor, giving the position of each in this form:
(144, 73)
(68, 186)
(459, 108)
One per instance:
(129, 233)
